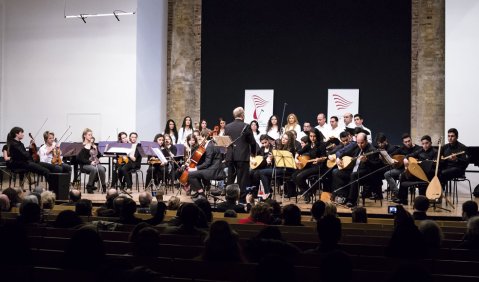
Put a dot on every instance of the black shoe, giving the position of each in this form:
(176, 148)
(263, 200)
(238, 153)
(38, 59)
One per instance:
(399, 201)
(198, 196)
(307, 199)
(89, 191)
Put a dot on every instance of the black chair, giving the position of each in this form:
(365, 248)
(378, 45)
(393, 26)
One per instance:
(452, 184)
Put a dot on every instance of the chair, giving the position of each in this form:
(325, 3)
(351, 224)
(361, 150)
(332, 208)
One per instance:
(452, 184)
(137, 182)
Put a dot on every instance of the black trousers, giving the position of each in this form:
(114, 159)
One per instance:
(240, 170)
(341, 178)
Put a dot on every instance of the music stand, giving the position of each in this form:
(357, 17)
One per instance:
(71, 150)
(283, 159)
(222, 141)
(114, 150)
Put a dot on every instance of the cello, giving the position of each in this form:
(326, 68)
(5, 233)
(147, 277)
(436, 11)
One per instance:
(195, 158)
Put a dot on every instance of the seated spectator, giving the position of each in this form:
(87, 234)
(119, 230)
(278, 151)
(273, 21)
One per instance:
(330, 209)
(173, 203)
(406, 240)
(276, 212)
(329, 234)
(269, 241)
(421, 205)
(73, 196)
(432, 235)
(292, 215)
(107, 209)
(188, 218)
(336, 266)
(471, 238)
(48, 200)
(84, 207)
(469, 209)
(4, 203)
(260, 214)
(127, 212)
(206, 215)
(231, 200)
(30, 212)
(230, 213)
(359, 215)
(67, 219)
(12, 197)
(317, 210)
(85, 250)
(20, 193)
(158, 212)
(37, 191)
(175, 221)
(147, 243)
(222, 244)
(145, 200)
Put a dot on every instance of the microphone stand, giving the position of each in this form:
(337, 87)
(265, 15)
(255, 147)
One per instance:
(281, 129)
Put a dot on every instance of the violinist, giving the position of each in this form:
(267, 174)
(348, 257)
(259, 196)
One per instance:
(155, 170)
(47, 152)
(134, 163)
(122, 138)
(169, 151)
(19, 157)
(88, 159)
(209, 167)
(315, 149)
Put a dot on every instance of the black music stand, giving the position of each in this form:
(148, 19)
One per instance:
(282, 159)
(147, 147)
(69, 151)
(115, 150)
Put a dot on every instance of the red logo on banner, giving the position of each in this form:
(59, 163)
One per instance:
(258, 103)
(341, 102)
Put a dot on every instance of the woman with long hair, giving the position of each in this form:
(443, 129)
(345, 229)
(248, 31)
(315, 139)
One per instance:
(185, 130)
(170, 129)
(272, 129)
(222, 127)
(292, 123)
(255, 128)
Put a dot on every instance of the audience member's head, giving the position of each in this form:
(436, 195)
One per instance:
(145, 199)
(85, 250)
(67, 219)
(431, 233)
(205, 207)
(4, 203)
(189, 215)
(292, 215)
(20, 193)
(230, 213)
(30, 212)
(471, 238)
(329, 231)
(359, 215)
(74, 195)
(147, 243)
(173, 203)
(38, 190)
(330, 210)
(469, 209)
(112, 194)
(12, 196)
(421, 203)
(318, 209)
(232, 193)
(83, 207)
(48, 200)
(261, 212)
(270, 232)
(158, 211)
(129, 208)
(118, 204)
(222, 244)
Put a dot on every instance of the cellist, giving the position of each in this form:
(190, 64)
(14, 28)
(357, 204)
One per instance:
(47, 152)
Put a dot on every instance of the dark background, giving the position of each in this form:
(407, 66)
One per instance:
(302, 48)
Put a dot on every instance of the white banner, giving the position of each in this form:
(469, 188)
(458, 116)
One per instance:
(342, 101)
(258, 105)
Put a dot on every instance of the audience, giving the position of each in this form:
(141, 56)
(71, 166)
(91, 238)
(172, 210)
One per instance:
(359, 215)
(269, 241)
(471, 238)
(222, 244)
(145, 200)
(107, 209)
(469, 209)
(276, 212)
(30, 212)
(12, 197)
(73, 196)
(146, 243)
(67, 219)
(83, 207)
(230, 213)
(260, 214)
(188, 217)
(4, 203)
(330, 209)
(329, 234)
(432, 235)
(48, 200)
(231, 200)
(292, 215)
(158, 212)
(336, 266)
(206, 215)
(173, 203)
(421, 205)
(317, 210)
(275, 268)
(85, 250)
(126, 210)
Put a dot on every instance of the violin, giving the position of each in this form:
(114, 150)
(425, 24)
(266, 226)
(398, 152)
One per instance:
(94, 155)
(154, 161)
(122, 160)
(57, 155)
(33, 149)
(195, 158)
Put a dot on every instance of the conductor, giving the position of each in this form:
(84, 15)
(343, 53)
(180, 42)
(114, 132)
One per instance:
(239, 151)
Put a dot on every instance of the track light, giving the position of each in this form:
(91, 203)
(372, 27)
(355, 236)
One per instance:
(115, 14)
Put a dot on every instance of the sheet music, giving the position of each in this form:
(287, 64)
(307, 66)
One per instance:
(386, 157)
(159, 154)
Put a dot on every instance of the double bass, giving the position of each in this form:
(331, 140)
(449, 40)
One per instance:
(195, 158)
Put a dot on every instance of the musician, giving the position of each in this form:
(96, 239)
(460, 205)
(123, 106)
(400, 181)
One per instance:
(323, 126)
(222, 127)
(190, 147)
(381, 143)
(427, 155)
(88, 158)
(155, 170)
(185, 130)
(335, 130)
(122, 138)
(46, 155)
(255, 128)
(134, 163)
(362, 166)
(266, 174)
(348, 120)
(455, 165)
(171, 130)
(6, 156)
(306, 130)
(209, 168)
(20, 158)
(358, 121)
(265, 151)
(169, 151)
(315, 149)
(393, 174)
(292, 123)
(272, 129)
(239, 152)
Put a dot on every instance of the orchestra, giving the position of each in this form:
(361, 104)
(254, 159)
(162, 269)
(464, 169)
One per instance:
(335, 159)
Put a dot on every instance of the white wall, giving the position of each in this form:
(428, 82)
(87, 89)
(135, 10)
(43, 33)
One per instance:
(67, 71)
(462, 68)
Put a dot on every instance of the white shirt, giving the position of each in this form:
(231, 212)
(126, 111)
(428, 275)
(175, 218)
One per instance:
(182, 135)
(256, 138)
(335, 132)
(273, 133)
(370, 136)
(44, 157)
(324, 130)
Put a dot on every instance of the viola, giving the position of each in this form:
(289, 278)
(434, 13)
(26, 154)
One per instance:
(57, 155)
(195, 158)
(122, 160)
(33, 149)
